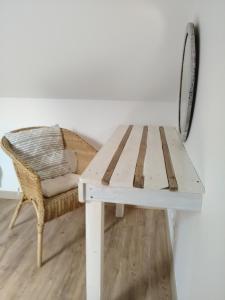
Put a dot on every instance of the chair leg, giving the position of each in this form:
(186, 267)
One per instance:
(15, 214)
(40, 229)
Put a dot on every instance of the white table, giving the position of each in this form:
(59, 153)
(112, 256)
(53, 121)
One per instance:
(139, 165)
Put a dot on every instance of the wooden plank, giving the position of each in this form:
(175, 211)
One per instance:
(109, 171)
(168, 163)
(123, 175)
(97, 167)
(186, 175)
(145, 197)
(154, 166)
(138, 175)
(94, 250)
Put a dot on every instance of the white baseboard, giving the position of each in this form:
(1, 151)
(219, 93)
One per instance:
(171, 216)
(11, 195)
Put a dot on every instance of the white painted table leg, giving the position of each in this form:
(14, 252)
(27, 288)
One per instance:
(119, 210)
(94, 250)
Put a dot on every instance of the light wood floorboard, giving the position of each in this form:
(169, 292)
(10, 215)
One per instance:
(137, 261)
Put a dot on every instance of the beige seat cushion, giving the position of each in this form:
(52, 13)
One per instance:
(60, 184)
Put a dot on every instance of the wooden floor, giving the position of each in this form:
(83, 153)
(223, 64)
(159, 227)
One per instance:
(137, 263)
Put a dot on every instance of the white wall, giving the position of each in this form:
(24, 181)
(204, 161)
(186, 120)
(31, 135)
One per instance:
(95, 119)
(92, 49)
(200, 245)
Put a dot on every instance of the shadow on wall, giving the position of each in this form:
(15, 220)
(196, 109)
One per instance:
(197, 42)
(197, 125)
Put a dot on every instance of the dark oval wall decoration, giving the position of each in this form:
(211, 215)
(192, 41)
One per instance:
(188, 81)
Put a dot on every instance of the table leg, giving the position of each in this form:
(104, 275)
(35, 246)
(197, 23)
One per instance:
(94, 250)
(119, 210)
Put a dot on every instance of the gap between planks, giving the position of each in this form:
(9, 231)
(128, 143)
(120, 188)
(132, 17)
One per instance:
(138, 175)
(168, 162)
(109, 171)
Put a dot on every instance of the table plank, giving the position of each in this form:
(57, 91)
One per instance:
(145, 197)
(168, 162)
(154, 166)
(97, 167)
(123, 175)
(187, 178)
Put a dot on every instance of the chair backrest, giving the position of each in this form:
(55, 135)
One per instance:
(84, 151)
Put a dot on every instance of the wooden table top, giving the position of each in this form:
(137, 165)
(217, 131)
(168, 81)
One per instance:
(145, 158)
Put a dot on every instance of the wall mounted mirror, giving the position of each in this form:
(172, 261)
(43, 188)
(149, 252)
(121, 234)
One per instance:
(188, 82)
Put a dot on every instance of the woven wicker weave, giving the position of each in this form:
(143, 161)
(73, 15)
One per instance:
(48, 208)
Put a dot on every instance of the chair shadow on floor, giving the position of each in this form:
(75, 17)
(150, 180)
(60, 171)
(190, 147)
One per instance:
(24, 221)
(63, 248)
(22, 217)
(112, 224)
(79, 238)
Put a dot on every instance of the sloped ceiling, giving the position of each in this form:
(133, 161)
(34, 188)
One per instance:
(92, 49)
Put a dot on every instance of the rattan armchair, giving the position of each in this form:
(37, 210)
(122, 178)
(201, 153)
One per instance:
(53, 207)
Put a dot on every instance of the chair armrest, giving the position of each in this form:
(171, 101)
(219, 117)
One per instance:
(29, 180)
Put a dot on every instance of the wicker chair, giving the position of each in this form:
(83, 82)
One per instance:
(48, 208)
